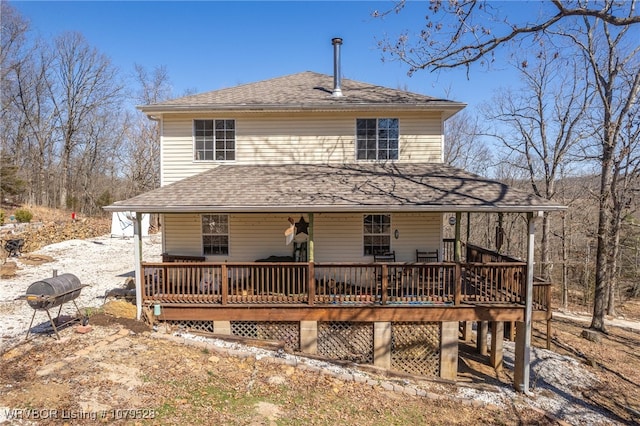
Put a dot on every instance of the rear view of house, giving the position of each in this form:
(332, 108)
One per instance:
(310, 208)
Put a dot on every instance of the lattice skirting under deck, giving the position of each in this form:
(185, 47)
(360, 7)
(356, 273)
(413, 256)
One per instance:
(415, 348)
(287, 332)
(348, 341)
(188, 325)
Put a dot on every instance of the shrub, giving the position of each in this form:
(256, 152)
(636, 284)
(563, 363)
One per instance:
(23, 215)
(1, 217)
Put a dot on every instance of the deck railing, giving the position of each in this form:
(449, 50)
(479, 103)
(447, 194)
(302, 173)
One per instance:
(339, 283)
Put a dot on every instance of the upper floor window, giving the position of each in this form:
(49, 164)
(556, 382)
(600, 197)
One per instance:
(214, 140)
(377, 138)
(377, 234)
(215, 234)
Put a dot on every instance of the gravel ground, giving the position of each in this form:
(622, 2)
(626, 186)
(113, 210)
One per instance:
(104, 263)
(101, 263)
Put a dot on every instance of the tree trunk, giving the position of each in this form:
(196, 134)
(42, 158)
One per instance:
(602, 258)
(565, 259)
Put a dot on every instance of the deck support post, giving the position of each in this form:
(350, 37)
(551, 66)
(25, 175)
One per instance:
(467, 329)
(497, 337)
(137, 250)
(481, 337)
(523, 329)
(510, 330)
(222, 327)
(449, 350)
(309, 337)
(382, 344)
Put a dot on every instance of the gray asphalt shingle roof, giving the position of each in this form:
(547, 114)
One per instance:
(368, 187)
(303, 91)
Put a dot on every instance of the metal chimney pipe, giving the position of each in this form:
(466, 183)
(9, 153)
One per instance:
(337, 79)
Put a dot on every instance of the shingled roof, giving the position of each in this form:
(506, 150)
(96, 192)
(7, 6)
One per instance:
(303, 91)
(370, 187)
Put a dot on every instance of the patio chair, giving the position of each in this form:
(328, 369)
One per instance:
(385, 257)
(426, 256)
(391, 275)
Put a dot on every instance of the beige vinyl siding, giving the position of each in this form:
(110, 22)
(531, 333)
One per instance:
(416, 232)
(257, 236)
(263, 138)
(420, 139)
(177, 150)
(182, 234)
(338, 237)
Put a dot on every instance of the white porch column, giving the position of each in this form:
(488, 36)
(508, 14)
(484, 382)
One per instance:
(137, 253)
(523, 333)
(310, 248)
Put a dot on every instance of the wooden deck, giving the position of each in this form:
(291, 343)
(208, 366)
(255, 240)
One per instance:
(258, 291)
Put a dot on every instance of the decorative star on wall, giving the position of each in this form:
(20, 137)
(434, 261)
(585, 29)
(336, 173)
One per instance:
(302, 226)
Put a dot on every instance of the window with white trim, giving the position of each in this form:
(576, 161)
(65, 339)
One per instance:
(215, 234)
(377, 234)
(377, 138)
(214, 140)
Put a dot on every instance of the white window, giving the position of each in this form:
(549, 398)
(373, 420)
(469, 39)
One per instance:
(377, 234)
(377, 138)
(214, 140)
(215, 234)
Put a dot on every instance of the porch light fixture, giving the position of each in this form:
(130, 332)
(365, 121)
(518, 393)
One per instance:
(396, 234)
(452, 220)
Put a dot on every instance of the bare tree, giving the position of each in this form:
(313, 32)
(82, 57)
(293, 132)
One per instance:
(461, 33)
(85, 84)
(13, 54)
(141, 160)
(540, 123)
(463, 147)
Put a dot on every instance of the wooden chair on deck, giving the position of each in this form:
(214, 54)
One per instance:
(385, 257)
(426, 256)
(391, 278)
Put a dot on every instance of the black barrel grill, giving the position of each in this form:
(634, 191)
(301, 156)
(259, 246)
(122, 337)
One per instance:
(55, 291)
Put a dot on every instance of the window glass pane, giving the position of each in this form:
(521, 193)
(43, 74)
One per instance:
(377, 138)
(376, 234)
(215, 233)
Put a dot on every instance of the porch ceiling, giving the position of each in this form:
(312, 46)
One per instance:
(368, 187)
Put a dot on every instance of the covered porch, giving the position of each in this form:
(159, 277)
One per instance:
(311, 298)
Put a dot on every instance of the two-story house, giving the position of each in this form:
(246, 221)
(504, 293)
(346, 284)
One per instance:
(313, 208)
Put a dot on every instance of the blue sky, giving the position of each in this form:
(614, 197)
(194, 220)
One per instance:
(207, 45)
